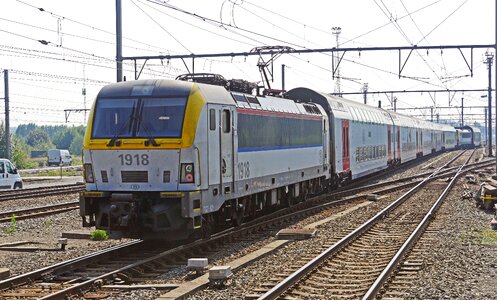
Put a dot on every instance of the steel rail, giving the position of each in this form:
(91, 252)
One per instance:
(292, 279)
(220, 236)
(39, 192)
(38, 211)
(245, 228)
(413, 238)
(66, 265)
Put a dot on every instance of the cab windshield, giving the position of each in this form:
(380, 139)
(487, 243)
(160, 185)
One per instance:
(138, 118)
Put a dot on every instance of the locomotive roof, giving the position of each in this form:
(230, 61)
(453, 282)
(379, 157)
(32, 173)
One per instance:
(165, 88)
(470, 128)
(212, 94)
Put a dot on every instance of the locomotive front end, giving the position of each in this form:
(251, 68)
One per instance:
(141, 160)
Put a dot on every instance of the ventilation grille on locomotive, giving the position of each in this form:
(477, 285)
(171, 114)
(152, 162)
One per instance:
(105, 178)
(134, 176)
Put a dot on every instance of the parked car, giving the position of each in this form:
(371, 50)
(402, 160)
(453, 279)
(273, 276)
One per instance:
(9, 177)
(57, 157)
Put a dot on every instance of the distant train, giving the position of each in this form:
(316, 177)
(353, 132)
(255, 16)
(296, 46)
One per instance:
(172, 158)
(468, 137)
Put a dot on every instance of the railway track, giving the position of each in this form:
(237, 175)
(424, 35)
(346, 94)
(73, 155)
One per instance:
(39, 211)
(41, 191)
(360, 263)
(136, 264)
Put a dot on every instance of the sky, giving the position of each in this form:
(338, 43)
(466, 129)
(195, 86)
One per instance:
(55, 49)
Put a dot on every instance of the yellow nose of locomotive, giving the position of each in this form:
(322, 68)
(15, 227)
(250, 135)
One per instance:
(138, 147)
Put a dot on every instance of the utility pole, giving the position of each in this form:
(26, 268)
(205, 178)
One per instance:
(283, 77)
(83, 91)
(486, 125)
(489, 60)
(365, 91)
(7, 114)
(395, 104)
(431, 113)
(462, 111)
(336, 31)
(490, 90)
(119, 42)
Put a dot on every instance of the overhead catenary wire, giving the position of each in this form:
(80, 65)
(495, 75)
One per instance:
(108, 42)
(392, 73)
(199, 27)
(162, 27)
(218, 23)
(388, 14)
(273, 24)
(386, 24)
(83, 24)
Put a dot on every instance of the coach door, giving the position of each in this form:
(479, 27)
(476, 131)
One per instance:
(417, 141)
(227, 148)
(389, 143)
(345, 145)
(399, 155)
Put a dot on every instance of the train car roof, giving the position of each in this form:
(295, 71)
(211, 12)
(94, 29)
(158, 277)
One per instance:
(447, 128)
(352, 110)
(408, 121)
(340, 107)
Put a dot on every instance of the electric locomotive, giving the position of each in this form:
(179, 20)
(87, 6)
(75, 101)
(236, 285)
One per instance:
(169, 159)
(468, 137)
(172, 159)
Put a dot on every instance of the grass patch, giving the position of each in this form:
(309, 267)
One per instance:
(485, 236)
(99, 235)
(54, 173)
(488, 236)
(13, 225)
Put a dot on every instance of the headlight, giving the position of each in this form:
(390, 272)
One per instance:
(89, 178)
(187, 173)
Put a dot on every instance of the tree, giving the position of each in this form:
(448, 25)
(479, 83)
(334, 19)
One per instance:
(20, 154)
(3, 140)
(24, 129)
(63, 139)
(37, 137)
(76, 145)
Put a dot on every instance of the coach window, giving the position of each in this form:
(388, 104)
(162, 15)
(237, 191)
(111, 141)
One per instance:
(212, 119)
(226, 121)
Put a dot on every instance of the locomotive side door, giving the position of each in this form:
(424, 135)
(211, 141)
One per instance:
(227, 148)
(214, 145)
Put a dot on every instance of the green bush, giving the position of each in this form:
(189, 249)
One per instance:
(13, 225)
(99, 235)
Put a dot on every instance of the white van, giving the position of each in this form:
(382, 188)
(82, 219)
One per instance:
(57, 157)
(9, 177)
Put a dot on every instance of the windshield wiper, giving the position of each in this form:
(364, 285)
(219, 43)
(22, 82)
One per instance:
(151, 140)
(114, 141)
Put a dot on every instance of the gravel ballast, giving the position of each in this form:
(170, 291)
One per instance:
(460, 265)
